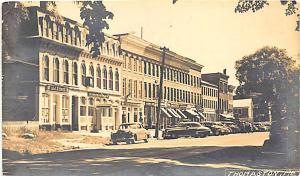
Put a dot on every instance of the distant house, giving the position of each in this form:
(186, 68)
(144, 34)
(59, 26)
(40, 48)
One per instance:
(243, 109)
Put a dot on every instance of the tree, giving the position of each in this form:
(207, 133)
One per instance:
(94, 14)
(247, 5)
(270, 72)
(13, 14)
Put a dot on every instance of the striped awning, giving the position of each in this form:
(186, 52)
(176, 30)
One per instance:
(181, 114)
(164, 111)
(173, 113)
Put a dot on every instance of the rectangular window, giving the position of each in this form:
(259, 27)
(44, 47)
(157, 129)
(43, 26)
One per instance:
(45, 108)
(65, 110)
(145, 90)
(124, 87)
(135, 89)
(149, 90)
(130, 88)
(83, 107)
(140, 90)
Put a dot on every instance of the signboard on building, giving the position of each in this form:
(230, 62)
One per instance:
(96, 94)
(57, 88)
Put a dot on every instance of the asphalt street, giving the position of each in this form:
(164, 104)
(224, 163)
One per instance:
(182, 157)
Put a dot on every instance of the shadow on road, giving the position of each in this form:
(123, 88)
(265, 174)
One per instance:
(155, 162)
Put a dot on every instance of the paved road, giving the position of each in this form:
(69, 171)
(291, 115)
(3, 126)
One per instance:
(184, 157)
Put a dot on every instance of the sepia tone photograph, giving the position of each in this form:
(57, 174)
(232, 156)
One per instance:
(150, 88)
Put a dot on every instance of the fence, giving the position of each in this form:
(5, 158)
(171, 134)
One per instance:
(20, 127)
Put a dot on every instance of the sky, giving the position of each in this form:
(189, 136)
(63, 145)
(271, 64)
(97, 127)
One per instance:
(207, 31)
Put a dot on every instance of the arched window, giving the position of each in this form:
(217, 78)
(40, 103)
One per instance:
(91, 72)
(56, 70)
(66, 72)
(110, 79)
(117, 80)
(46, 68)
(83, 74)
(53, 30)
(77, 36)
(75, 74)
(60, 32)
(99, 77)
(67, 33)
(47, 25)
(104, 77)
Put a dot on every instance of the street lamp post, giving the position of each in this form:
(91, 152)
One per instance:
(164, 50)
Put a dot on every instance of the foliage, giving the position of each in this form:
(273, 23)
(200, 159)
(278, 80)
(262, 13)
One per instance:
(270, 72)
(247, 5)
(94, 14)
(13, 13)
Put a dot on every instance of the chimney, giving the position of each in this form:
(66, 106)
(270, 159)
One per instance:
(224, 71)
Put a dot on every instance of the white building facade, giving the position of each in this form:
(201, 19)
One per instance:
(75, 90)
(209, 100)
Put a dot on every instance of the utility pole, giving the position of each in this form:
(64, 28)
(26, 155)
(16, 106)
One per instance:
(164, 50)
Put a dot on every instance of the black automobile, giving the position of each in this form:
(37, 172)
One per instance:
(234, 128)
(215, 128)
(186, 129)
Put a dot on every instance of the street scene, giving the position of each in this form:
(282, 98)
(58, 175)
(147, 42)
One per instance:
(154, 88)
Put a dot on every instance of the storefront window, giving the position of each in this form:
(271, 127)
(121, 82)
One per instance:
(83, 107)
(45, 108)
(91, 107)
(65, 109)
(110, 112)
(135, 116)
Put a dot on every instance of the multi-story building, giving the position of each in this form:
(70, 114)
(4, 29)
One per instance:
(231, 89)
(141, 71)
(220, 79)
(57, 82)
(209, 100)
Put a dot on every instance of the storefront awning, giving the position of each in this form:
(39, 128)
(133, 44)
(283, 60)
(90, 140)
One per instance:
(181, 114)
(201, 115)
(173, 110)
(171, 113)
(191, 112)
(164, 111)
(227, 116)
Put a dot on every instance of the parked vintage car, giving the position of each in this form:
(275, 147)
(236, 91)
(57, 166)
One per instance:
(185, 129)
(261, 127)
(226, 129)
(130, 133)
(216, 129)
(233, 127)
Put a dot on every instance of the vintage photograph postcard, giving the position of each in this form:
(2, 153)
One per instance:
(150, 88)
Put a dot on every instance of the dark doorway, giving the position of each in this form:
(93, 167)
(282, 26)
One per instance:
(74, 113)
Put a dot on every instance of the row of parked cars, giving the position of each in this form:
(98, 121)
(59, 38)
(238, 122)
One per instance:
(132, 132)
